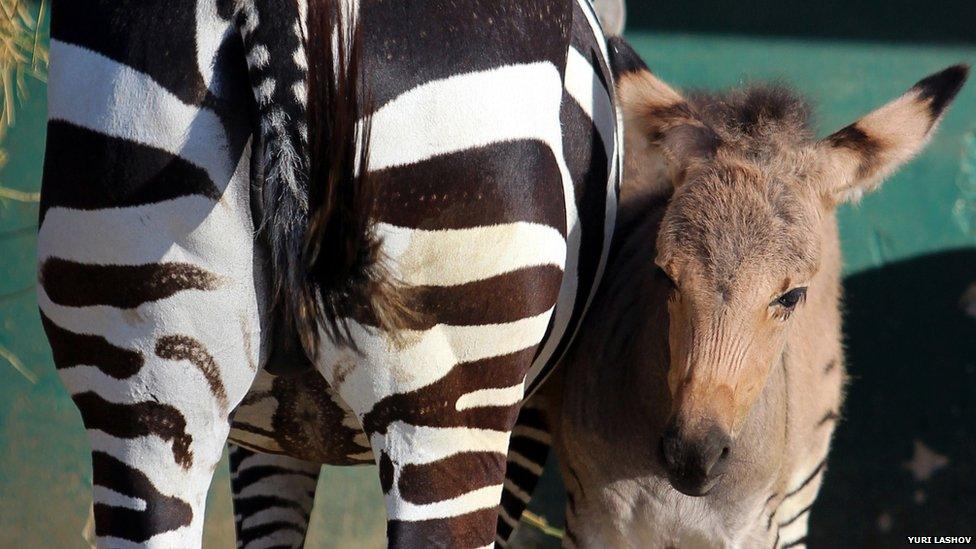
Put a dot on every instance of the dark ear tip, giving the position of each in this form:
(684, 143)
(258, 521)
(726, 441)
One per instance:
(941, 88)
(623, 58)
(955, 75)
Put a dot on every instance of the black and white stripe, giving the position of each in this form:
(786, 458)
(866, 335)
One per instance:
(273, 498)
(789, 513)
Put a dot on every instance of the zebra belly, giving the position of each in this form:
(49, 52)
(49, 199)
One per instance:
(300, 417)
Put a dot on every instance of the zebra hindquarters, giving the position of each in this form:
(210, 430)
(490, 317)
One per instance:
(156, 340)
(273, 496)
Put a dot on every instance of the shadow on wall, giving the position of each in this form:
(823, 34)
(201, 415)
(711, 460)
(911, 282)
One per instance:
(904, 457)
(943, 22)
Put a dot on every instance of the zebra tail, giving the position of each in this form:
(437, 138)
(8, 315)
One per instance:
(327, 263)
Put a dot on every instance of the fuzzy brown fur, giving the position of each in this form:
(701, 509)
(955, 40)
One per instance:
(689, 331)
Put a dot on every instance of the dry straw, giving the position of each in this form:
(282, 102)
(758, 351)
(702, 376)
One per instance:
(23, 55)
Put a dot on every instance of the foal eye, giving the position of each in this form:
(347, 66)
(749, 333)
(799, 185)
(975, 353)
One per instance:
(791, 298)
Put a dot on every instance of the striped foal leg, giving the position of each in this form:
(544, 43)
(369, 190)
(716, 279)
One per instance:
(273, 498)
(527, 454)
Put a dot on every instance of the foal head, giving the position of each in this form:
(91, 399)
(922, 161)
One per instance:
(744, 234)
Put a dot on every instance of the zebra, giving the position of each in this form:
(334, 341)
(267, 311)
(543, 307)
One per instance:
(418, 211)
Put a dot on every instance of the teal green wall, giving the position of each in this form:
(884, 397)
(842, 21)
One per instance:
(910, 250)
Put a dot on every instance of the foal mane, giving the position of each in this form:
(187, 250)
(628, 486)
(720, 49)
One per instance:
(756, 116)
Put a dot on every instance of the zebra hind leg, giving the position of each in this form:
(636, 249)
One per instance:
(273, 497)
(145, 349)
(156, 415)
(441, 450)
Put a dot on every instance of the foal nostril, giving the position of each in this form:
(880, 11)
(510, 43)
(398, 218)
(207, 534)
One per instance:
(715, 452)
(703, 456)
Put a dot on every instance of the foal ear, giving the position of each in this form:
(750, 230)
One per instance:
(658, 113)
(860, 155)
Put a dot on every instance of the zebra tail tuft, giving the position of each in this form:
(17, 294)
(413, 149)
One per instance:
(343, 265)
